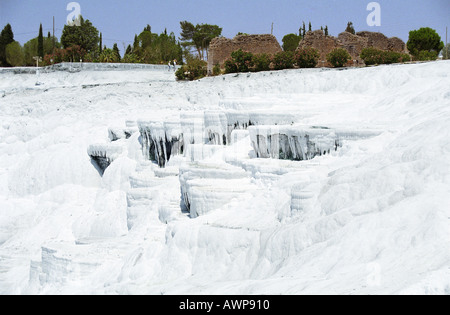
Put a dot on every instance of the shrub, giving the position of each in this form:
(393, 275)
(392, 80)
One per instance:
(230, 66)
(241, 61)
(373, 56)
(283, 60)
(262, 62)
(338, 57)
(217, 70)
(405, 57)
(131, 58)
(109, 56)
(71, 54)
(425, 55)
(194, 69)
(307, 57)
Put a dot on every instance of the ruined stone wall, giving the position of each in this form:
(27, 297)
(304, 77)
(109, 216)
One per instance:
(220, 48)
(354, 44)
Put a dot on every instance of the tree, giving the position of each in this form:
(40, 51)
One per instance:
(86, 36)
(14, 54)
(100, 46)
(309, 27)
(198, 36)
(129, 50)
(30, 49)
(338, 57)
(304, 30)
(116, 51)
(350, 28)
(155, 49)
(135, 43)
(40, 43)
(6, 38)
(290, 42)
(424, 44)
(326, 30)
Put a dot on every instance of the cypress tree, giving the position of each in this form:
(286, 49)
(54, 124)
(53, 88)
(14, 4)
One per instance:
(310, 27)
(40, 43)
(6, 38)
(129, 50)
(101, 44)
(136, 43)
(350, 28)
(326, 30)
(116, 51)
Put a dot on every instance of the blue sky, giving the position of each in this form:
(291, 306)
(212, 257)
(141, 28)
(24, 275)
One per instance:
(119, 20)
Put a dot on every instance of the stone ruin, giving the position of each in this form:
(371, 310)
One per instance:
(220, 48)
(354, 44)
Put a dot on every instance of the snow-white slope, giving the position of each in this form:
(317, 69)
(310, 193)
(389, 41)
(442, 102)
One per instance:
(371, 216)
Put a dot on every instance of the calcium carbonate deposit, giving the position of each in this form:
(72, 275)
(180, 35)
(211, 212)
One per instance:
(124, 181)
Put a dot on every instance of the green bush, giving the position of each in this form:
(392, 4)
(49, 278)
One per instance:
(283, 60)
(262, 62)
(216, 70)
(194, 69)
(241, 61)
(373, 56)
(230, 66)
(425, 55)
(307, 57)
(338, 57)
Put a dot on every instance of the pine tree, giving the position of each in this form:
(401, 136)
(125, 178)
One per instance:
(6, 38)
(40, 43)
